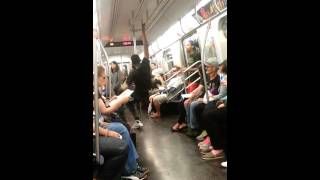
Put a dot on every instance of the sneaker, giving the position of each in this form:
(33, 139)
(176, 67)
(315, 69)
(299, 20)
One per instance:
(202, 144)
(206, 150)
(224, 164)
(202, 136)
(137, 124)
(210, 156)
(143, 170)
(135, 176)
(205, 146)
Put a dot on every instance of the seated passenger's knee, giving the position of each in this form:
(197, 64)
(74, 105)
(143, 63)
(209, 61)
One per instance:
(123, 146)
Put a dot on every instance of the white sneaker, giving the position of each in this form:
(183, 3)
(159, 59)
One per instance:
(137, 124)
(224, 164)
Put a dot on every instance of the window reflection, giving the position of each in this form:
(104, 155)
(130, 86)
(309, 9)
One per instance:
(167, 56)
(210, 49)
(223, 26)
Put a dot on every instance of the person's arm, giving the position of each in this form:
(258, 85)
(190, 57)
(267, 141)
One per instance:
(145, 42)
(116, 104)
(195, 93)
(106, 132)
(222, 93)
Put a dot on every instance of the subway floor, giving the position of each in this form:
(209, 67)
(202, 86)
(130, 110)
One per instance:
(172, 156)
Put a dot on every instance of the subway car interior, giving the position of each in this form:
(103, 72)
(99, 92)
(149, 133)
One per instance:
(160, 89)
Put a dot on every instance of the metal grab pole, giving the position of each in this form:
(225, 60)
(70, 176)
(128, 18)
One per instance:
(109, 74)
(95, 70)
(134, 44)
(202, 62)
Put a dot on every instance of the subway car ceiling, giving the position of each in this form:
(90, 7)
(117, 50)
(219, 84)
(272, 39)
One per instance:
(170, 25)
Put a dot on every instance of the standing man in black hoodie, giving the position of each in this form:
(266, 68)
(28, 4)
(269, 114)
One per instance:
(140, 79)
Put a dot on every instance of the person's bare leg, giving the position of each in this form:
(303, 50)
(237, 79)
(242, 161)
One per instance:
(157, 106)
(151, 97)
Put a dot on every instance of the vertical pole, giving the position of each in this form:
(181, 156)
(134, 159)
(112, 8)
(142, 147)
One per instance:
(202, 61)
(95, 68)
(134, 43)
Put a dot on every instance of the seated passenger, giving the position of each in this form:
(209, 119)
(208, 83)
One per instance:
(103, 101)
(117, 77)
(155, 71)
(196, 107)
(206, 145)
(213, 98)
(183, 114)
(215, 121)
(171, 90)
(114, 152)
(131, 167)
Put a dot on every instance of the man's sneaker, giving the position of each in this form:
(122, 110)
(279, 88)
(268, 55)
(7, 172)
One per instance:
(137, 124)
(135, 176)
(143, 170)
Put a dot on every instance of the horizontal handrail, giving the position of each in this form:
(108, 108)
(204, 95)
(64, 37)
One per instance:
(174, 75)
(184, 71)
(192, 83)
(192, 65)
(191, 75)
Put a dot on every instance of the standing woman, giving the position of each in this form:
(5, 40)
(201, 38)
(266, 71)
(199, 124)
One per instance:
(116, 78)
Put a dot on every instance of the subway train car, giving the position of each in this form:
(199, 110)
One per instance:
(160, 89)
